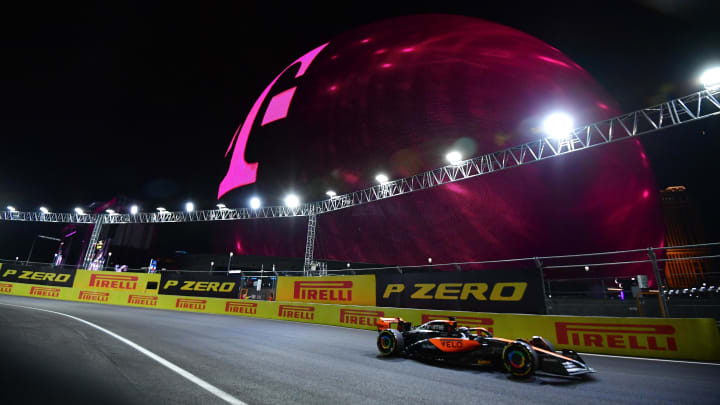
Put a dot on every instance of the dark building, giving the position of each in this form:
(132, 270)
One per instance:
(682, 228)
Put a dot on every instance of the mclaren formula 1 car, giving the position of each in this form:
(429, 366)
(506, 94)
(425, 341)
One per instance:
(444, 341)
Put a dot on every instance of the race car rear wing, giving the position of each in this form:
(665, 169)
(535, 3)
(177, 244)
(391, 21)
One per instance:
(387, 323)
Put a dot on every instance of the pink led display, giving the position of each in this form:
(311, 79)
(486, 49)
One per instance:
(240, 172)
(278, 107)
(422, 86)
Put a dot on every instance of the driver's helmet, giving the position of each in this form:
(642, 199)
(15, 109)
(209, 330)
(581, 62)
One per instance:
(464, 331)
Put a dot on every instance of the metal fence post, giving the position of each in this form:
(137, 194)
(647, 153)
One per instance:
(539, 266)
(658, 281)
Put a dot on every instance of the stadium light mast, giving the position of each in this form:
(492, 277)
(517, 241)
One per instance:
(255, 203)
(711, 78)
(292, 201)
(454, 157)
(558, 125)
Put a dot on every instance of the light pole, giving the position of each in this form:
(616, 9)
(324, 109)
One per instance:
(211, 266)
(229, 261)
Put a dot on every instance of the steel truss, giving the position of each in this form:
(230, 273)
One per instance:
(310, 244)
(94, 238)
(675, 112)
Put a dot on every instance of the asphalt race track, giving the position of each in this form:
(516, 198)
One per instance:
(49, 358)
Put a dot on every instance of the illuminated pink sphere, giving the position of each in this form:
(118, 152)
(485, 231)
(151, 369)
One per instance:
(396, 97)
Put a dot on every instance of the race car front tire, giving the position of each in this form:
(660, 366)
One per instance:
(520, 359)
(390, 342)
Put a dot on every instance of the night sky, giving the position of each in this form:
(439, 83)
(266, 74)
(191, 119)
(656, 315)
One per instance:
(140, 100)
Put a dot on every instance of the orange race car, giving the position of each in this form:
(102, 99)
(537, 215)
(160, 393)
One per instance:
(444, 341)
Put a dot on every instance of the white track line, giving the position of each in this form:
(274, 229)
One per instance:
(651, 359)
(188, 375)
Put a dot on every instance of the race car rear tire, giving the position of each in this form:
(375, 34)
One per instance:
(390, 342)
(520, 359)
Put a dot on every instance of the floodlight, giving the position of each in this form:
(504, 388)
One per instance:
(454, 157)
(134, 209)
(292, 201)
(189, 207)
(221, 206)
(255, 203)
(161, 209)
(587, 268)
(381, 178)
(331, 193)
(111, 212)
(79, 211)
(711, 78)
(11, 208)
(558, 125)
(44, 210)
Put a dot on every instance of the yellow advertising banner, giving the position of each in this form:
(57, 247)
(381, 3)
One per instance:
(346, 290)
(142, 283)
(694, 339)
(687, 339)
(38, 291)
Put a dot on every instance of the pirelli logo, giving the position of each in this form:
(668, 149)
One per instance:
(466, 321)
(336, 291)
(360, 317)
(639, 337)
(5, 288)
(190, 303)
(146, 300)
(114, 281)
(241, 307)
(94, 296)
(297, 312)
(45, 291)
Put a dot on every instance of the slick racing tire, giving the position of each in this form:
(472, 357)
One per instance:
(520, 359)
(390, 342)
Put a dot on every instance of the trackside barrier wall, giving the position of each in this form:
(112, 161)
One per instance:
(347, 290)
(691, 339)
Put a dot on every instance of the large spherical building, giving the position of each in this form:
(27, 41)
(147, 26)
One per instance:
(396, 96)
